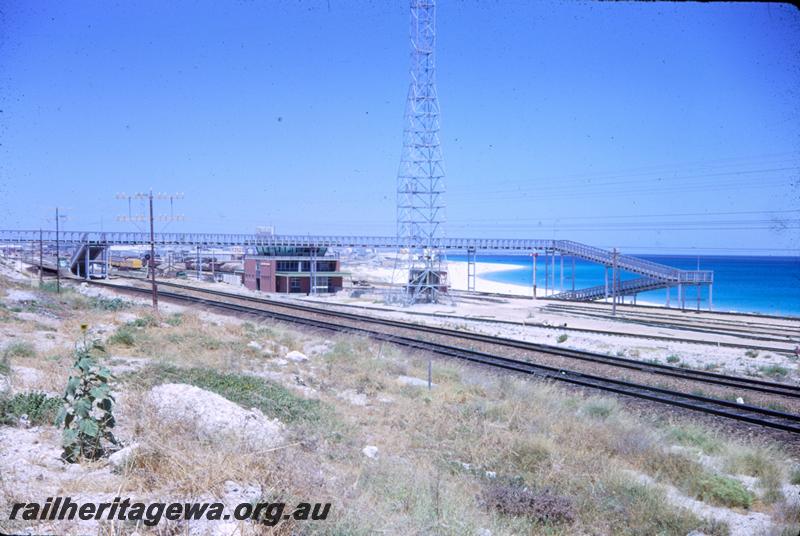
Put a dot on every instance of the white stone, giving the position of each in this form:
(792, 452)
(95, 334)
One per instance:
(491, 474)
(414, 382)
(296, 356)
(739, 400)
(255, 346)
(26, 378)
(127, 317)
(123, 456)
(317, 349)
(20, 296)
(356, 399)
(370, 451)
(212, 416)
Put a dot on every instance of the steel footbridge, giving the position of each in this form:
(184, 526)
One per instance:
(87, 246)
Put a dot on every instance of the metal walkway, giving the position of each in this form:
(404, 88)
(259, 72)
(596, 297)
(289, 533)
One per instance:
(653, 275)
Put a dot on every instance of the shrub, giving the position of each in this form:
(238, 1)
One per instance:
(722, 490)
(87, 410)
(673, 359)
(774, 371)
(530, 456)
(599, 408)
(697, 481)
(108, 304)
(794, 475)
(751, 353)
(540, 505)
(175, 319)
(38, 407)
(124, 336)
(19, 349)
(759, 462)
(562, 338)
(146, 321)
(696, 437)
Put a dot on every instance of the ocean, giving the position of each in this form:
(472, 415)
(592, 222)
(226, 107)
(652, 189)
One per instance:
(767, 285)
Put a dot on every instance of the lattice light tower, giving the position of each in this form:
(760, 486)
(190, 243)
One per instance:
(420, 182)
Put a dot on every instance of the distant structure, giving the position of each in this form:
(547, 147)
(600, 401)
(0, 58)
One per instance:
(420, 180)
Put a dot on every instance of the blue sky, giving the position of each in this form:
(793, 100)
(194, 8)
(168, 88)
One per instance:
(655, 127)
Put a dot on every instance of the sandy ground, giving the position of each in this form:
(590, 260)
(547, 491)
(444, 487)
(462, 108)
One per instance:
(381, 269)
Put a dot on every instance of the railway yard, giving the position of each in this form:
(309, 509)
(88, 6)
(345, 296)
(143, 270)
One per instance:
(719, 391)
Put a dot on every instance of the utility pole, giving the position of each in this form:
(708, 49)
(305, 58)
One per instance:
(58, 257)
(41, 255)
(151, 264)
(614, 283)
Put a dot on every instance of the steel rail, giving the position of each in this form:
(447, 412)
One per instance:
(713, 378)
(754, 334)
(722, 408)
(663, 314)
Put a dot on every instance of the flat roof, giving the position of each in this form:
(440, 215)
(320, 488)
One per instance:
(308, 274)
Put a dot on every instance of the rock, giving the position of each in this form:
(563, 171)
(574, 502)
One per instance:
(255, 346)
(20, 296)
(27, 378)
(127, 317)
(370, 451)
(296, 356)
(317, 349)
(491, 474)
(739, 400)
(122, 457)
(212, 416)
(414, 382)
(356, 399)
(235, 493)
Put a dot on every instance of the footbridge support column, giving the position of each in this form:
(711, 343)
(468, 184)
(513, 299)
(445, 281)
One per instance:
(471, 254)
(710, 296)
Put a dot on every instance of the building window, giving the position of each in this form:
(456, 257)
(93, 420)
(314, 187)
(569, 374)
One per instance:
(294, 284)
(322, 284)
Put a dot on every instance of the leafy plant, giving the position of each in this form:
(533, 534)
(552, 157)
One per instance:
(87, 410)
(563, 337)
(673, 359)
(19, 349)
(109, 304)
(774, 371)
(38, 407)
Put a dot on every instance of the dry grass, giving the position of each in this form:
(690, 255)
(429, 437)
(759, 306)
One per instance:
(479, 451)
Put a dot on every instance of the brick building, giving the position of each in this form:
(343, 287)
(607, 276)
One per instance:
(292, 271)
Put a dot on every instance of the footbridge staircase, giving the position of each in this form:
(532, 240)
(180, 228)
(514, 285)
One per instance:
(91, 247)
(653, 275)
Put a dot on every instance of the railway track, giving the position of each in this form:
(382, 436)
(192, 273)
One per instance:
(751, 414)
(773, 388)
(751, 330)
